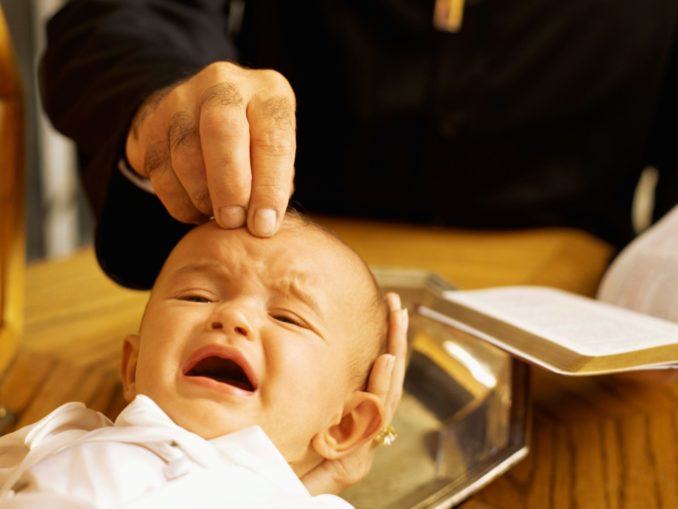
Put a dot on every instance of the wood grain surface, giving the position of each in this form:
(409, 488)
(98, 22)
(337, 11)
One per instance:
(606, 442)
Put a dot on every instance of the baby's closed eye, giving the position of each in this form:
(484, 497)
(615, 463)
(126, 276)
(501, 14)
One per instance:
(290, 318)
(195, 297)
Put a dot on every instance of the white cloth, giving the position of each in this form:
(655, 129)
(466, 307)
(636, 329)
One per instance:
(77, 458)
(143, 183)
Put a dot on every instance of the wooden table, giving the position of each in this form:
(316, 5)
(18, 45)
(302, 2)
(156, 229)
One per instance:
(598, 442)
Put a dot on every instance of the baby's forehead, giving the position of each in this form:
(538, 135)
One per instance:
(300, 252)
(291, 227)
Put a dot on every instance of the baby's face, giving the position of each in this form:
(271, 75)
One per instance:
(241, 331)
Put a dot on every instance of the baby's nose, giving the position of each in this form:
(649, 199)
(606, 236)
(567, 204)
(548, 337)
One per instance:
(231, 321)
(238, 329)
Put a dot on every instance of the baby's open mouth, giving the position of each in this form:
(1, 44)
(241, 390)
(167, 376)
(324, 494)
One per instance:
(222, 370)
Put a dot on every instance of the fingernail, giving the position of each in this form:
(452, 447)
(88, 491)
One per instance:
(393, 302)
(231, 217)
(405, 317)
(264, 222)
(390, 362)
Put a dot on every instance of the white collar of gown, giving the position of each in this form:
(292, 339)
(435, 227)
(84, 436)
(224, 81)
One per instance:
(144, 424)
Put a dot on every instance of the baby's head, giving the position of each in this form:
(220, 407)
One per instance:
(278, 332)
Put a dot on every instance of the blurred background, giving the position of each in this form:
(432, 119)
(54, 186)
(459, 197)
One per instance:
(57, 216)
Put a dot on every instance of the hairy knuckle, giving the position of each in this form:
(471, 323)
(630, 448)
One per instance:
(155, 158)
(182, 129)
(224, 93)
(280, 111)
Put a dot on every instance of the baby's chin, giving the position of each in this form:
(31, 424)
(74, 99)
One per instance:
(209, 420)
(300, 456)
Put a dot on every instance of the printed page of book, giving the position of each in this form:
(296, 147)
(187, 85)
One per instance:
(588, 327)
(644, 276)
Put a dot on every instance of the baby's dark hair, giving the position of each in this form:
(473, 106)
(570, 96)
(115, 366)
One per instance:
(374, 312)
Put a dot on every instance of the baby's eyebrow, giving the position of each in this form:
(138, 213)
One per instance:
(199, 267)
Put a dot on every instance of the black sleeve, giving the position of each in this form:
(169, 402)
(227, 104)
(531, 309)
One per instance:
(103, 58)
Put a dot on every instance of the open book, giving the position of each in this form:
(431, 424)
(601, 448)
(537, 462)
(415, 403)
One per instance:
(632, 325)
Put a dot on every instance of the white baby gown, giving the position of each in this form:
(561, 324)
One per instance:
(76, 458)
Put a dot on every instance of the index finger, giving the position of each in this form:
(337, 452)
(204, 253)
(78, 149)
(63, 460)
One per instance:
(224, 136)
(272, 150)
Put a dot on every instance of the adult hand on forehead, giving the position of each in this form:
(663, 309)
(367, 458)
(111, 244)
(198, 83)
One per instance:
(386, 382)
(221, 144)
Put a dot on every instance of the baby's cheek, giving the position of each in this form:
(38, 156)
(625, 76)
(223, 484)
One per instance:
(335, 378)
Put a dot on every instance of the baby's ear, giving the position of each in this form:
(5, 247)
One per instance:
(362, 418)
(128, 366)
